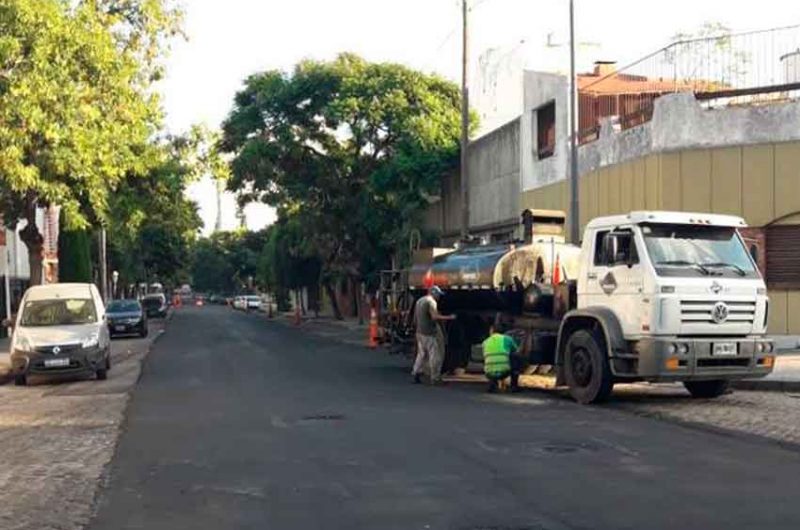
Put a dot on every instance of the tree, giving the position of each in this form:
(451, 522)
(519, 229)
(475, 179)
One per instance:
(75, 256)
(212, 270)
(152, 225)
(76, 112)
(227, 261)
(353, 150)
(286, 262)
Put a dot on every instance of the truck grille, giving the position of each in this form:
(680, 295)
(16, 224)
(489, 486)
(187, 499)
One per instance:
(64, 348)
(701, 311)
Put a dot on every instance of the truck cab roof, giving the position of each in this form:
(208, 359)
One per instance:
(666, 217)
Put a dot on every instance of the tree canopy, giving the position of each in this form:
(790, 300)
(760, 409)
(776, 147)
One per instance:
(352, 151)
(152, 224)
(76, 109)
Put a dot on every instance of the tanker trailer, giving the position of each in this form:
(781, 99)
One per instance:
(528, 282)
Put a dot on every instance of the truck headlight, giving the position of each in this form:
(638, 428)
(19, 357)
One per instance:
(91, 341)
(683, 348)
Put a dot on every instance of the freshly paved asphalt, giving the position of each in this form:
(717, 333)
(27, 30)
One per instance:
(242, 423)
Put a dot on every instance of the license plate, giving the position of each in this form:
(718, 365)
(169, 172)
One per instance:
(56, 363)
(724, 348)
(119, 328)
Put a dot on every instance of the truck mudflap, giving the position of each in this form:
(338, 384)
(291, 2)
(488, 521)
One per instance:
(686, 359)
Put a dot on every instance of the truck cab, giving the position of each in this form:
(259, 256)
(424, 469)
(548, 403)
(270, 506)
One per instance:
(665, 296)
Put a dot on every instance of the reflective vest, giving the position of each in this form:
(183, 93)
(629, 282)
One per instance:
(496, 351)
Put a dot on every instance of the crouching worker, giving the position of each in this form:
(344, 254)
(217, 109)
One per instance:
(501, 358)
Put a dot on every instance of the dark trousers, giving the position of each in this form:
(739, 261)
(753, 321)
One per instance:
(517, 364)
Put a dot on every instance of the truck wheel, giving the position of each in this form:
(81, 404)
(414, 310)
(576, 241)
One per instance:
(586, 368)
(707, 389)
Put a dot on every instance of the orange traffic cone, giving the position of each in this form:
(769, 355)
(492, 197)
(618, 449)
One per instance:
(557, 271)
(373, 329)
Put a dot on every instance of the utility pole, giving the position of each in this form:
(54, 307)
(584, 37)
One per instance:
(574, 206)
(464, 123)
(103, 266)
(220, 189)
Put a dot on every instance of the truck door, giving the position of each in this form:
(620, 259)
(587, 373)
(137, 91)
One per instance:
(614, 278)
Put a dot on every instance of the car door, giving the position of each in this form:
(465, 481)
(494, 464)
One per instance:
(615, 276)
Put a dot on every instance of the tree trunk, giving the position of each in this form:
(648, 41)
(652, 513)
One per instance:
(34, 241)
(337, 313)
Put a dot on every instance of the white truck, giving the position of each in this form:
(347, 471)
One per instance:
(649, 296)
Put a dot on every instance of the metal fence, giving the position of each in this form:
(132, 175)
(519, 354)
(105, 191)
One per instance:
(722, 69)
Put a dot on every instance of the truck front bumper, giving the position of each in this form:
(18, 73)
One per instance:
(687, 359)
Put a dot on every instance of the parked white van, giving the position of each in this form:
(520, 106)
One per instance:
(60, 329)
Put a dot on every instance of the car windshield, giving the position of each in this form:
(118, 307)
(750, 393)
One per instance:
(678, 249)
(58, 312)
(123, 306)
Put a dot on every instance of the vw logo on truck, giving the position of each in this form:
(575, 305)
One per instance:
(720, 312)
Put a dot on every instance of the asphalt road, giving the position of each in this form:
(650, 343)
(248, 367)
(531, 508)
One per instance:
(242, 423)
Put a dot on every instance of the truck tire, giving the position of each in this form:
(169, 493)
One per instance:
(586, 368)
(707, 389)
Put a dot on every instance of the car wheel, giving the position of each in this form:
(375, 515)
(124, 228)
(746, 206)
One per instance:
(586, 368)
(21, 380)
(707, 389)
(102, 373)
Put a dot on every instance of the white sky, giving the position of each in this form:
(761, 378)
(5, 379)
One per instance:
(231, 39)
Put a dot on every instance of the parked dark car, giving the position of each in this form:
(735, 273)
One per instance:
(126, 317)
(155, 305)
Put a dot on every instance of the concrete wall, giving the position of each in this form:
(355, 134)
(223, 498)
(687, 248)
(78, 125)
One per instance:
(494, 176)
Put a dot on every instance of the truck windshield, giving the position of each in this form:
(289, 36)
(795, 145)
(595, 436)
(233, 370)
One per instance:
(692, 250)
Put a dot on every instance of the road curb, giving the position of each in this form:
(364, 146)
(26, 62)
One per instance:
(767, 385)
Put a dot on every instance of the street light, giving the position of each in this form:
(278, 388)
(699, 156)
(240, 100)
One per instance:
(114, 279)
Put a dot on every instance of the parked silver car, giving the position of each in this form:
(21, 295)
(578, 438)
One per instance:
(60, 329)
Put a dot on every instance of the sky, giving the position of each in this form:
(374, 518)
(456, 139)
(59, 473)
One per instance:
(228, 40)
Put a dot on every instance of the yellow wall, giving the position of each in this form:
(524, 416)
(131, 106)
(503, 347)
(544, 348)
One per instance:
(759, 182)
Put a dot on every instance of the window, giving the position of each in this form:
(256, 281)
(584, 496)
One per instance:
(615, 248)
(546, 130)
(690, 250)
(783, 256)
(599, 250)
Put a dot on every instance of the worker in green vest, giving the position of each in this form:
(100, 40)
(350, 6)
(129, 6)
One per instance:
(500, 358)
